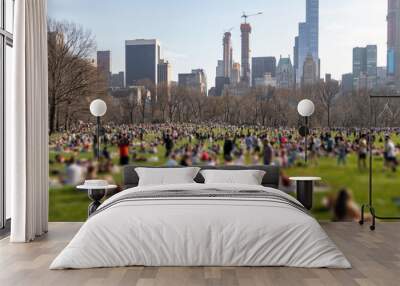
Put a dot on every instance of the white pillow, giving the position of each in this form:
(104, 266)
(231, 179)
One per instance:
(244, 177)
(166, 176)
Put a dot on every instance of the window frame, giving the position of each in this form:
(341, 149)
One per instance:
(6, 39)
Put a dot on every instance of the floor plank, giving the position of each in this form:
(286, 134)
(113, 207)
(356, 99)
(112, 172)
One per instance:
(375, 257)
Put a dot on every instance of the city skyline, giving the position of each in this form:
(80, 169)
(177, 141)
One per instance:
(342, 26)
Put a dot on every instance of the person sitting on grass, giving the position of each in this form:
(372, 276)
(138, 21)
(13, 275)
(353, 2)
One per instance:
(239, 155)
(185, 160)
(138, 157)
(344, 208)
(73, 173)
(91, 172)
(172, 161)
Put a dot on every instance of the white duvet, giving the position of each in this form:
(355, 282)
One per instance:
(200, 232)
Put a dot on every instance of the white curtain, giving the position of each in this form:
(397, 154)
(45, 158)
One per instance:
(27, 123)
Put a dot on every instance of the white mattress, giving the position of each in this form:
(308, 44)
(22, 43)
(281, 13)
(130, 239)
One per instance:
(200, 232)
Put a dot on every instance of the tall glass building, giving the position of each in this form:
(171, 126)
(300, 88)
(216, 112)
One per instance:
(312, 20)
(141, 60)
(307, 41)
(303, 50)
(365, 66)
(104, 64)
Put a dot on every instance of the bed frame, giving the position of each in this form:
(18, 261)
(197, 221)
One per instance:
(271, 177)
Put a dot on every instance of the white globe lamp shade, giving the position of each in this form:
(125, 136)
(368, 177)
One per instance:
(98, 107)
(306, 108)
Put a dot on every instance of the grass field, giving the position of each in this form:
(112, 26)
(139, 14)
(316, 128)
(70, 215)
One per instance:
(69, 204)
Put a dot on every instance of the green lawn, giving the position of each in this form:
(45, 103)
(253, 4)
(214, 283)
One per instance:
(69, 204)
(386, 184)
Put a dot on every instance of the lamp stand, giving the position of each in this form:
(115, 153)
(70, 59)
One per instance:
(306, 142)
(98, 139)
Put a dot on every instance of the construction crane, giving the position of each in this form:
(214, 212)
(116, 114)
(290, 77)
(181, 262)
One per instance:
(229, 30)
(245, 16)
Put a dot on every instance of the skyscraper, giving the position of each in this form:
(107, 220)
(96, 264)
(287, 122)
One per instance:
(303, 50)
(227, 45)
(164, 72)
(203, 80)
(307, 41)
(372, 60)
(393, 41)
(262, 66)
(220, 79)
(141, 60)
(219, 71)
(235, 77)
(365, 66)
(104, 64)
(347, 83)
(309, 71)
(312, 20)
(220, 83)
(195, 80)
(359, 61)
(296, 58)
(245, 28)
(117, 80)
(285, 73)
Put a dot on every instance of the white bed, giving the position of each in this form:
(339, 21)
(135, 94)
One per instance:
(207, 230)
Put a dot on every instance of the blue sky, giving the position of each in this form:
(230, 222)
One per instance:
(191, 31)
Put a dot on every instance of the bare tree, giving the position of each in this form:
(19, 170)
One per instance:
(326, 93)
(129, 105)
(71, 72)
(163, 97)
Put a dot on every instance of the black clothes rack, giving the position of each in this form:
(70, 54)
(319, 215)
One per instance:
(370, 205)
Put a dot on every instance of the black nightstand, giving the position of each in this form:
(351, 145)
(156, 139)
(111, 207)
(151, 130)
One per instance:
(305, 189)
(96, 194)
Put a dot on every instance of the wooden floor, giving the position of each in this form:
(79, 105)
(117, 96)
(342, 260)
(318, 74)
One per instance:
(375, 257)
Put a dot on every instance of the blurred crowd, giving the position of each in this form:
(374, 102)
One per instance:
(188, 144)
